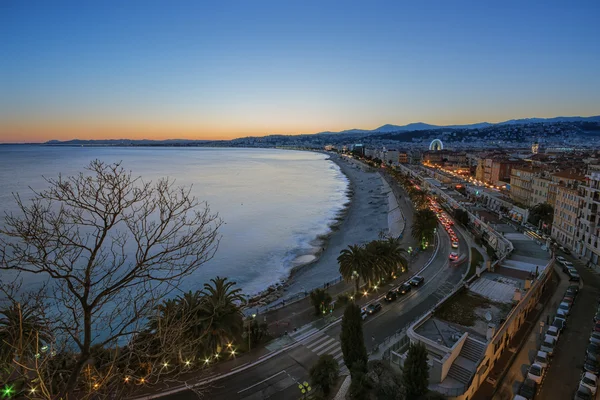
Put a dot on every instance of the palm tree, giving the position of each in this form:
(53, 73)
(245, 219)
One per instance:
(393, 252)
(424, 225)
(23, 332)
(354, 264)
(223, 317)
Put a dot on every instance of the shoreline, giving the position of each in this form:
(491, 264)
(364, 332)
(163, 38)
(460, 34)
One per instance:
(351, 225)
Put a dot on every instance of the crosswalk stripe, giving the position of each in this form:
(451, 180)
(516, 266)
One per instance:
(304, 335)
(337, 354)
(312, 338)
(326, 349)
(318, 341)
(325, 343)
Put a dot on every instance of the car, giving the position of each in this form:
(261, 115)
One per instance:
(595, 338)
(569, 300)
(560, 323)
(451, 232)
(597, 316)
(593, 350)
(565, 250)
(528, 389)
(561, 313)
(554, 332)
(455, 245)
(404, 288)
(561, 259)
(583, 393)
(591, 365)
(391, 296)
(548, 345)
(542, 359)
(453, 256)
(596, 327)
(573, 275)
(589, 381)
(363, 313)
(417, 280)
(373, 308)
(566, 307)
(536, 373)
(573, 288)
(566, 266)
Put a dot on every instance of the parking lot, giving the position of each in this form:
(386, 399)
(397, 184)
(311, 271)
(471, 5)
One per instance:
(563, 375)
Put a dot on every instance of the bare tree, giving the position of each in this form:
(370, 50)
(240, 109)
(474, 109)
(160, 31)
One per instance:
(112, 247)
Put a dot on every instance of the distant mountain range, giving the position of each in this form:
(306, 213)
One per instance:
(384, 129)
(421, 126)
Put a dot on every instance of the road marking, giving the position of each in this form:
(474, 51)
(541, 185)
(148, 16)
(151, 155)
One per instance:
(263, 381)
(239, 366)
(324, 344)
(305, 334)
(319, 341)
(326, 349)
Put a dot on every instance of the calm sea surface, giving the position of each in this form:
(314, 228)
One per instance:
(273, 202)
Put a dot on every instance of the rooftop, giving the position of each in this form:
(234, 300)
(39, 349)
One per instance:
(469, 312)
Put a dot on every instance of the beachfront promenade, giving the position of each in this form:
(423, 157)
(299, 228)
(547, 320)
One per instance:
(271, 371)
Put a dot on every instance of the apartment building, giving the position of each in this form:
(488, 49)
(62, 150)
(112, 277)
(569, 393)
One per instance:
(588, 228)
(501, 169)
(403, 158)
(566, 211)
(539, 190)
(521, 184)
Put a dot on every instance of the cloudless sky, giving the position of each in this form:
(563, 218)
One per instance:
(222, 69)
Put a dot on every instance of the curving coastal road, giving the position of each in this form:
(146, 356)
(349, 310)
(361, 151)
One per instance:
(277, 377)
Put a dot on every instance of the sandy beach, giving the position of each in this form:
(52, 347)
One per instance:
(363, 221)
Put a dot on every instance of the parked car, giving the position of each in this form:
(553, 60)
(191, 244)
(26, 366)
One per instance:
(554, 332)
(566, 307)
(561, 313)
(528, 389)
(373, 308)
(417, 280)
(593, 350)
(597, 316)
(566, 266)
(573, 275)
(536, 373)
(591, 365)
(569, 300)
(542, 359)
(453, 256)
(363, 313)
(404, 288)
(548, 345)
(583, 393)
(589, 381)
(561, 259)
(595, 338)
(560, 323)
(391, 295)
(573, 288)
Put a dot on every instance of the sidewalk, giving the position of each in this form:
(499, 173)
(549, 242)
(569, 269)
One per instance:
(511, 367)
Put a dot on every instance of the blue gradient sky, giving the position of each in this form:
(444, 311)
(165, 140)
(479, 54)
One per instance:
(166, 69)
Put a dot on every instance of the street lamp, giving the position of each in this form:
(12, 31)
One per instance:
(304, 389)
(410, 249)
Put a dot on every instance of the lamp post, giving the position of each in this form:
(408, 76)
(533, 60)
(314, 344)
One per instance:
(304, 389)
(250, 330)
(410, 249)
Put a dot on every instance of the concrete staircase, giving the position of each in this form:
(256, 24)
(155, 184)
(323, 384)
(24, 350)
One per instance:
(460, 374)
(472, 350)
(465, 365)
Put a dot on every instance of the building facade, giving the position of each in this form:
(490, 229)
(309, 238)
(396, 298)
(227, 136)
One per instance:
(566, 211)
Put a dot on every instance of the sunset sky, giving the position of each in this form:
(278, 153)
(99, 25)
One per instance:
(223, 69)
